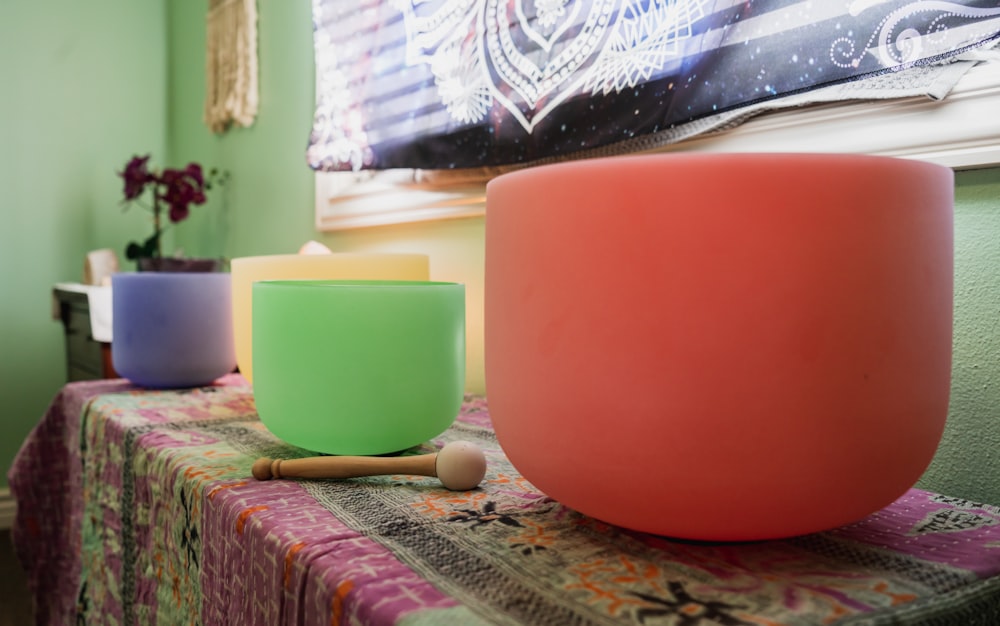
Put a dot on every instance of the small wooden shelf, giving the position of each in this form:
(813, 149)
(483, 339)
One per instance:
(86, 358)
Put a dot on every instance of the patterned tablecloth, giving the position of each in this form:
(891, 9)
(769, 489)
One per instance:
(137, 507)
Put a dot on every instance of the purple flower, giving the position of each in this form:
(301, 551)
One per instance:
(178, 212)
(180, 188)
(173, 190)
(178, 196)
(193, 170)
(136, 176)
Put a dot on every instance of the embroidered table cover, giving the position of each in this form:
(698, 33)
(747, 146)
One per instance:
(137, 507)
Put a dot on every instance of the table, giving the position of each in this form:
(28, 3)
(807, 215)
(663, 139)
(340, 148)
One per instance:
(138, 507)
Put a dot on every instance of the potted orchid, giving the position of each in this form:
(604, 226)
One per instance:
(168, 195)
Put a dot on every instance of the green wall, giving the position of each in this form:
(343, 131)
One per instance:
(968, 460)
(62, 136)
(267, 208)
(82, 88)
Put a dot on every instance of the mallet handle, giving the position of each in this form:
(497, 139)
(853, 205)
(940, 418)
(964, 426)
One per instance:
(344, 466)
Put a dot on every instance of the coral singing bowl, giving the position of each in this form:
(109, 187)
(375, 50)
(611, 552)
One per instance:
(341, 266)
(358, 367)
(172, 329)
(721, 346)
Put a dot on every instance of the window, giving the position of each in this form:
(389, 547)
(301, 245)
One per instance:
(962, 131)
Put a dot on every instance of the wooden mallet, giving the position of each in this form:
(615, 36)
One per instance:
(460, 465)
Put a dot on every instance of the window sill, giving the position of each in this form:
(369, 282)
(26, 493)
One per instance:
(962, 131)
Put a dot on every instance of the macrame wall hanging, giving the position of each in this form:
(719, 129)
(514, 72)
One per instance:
(231, 64)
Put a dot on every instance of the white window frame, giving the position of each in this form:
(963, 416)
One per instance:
(962, 131)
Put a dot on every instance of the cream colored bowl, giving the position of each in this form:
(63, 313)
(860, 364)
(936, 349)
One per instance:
(337, 266)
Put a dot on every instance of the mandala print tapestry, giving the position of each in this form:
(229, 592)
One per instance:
(442, 84)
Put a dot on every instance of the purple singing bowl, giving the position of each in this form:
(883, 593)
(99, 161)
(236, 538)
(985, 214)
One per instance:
(172, 329)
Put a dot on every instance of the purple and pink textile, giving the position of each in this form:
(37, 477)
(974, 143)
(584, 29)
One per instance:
(138, 507)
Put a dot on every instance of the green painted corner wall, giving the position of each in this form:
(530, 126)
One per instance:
(148, 97)
(968, 460)
(83, 89)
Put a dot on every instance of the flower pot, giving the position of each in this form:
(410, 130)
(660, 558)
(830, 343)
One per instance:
(172, 329)
(174, 264)
(721, 346)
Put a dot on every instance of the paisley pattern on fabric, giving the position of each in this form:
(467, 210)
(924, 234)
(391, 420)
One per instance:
(147, 513)
(442, 84)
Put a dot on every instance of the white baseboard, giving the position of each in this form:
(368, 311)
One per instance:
(7, 508)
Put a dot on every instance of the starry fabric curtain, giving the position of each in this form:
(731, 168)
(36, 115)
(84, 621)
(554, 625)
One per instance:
(444, 84)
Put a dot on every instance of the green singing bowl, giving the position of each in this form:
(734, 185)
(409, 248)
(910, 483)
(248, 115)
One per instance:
(358, 367)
